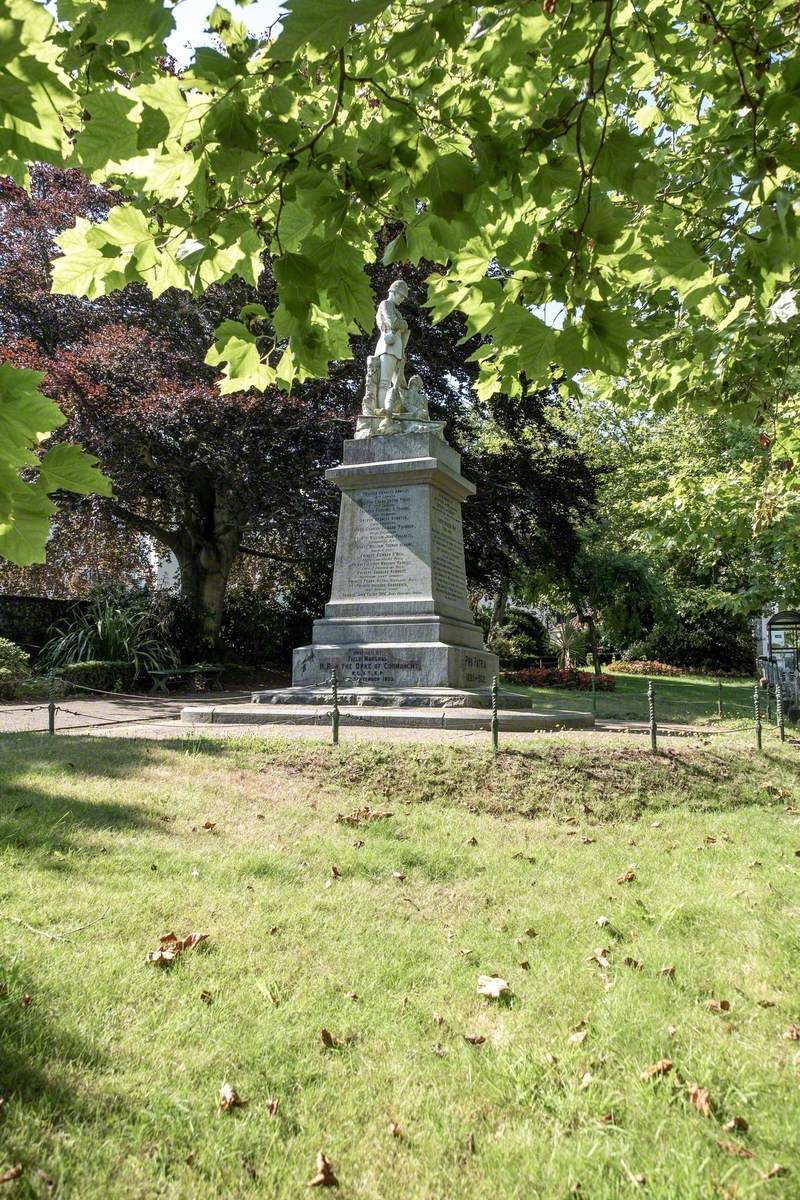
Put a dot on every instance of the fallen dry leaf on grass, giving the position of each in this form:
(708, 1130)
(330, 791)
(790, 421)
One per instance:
(474, 1039)
(395, 1130)
(11, 1174)
(792, 1034)
(627, 876)
(207, 997)
(398, 875)
(470, 1143)
(324, 1176)
(439, 1050)
(775, 1170)
(667, 972)
(328, 1040)
(586, 1080)
(635, 963)
(600, 956)
(229, 1098)
(170, 947)
(335, 872)
(525, 965)
(492, 986)
(358, 845)
(662, 1067)
(209, 825)
(736, 1123)
(734, 1149)
(361, 816)
(608, 1119)
(699, 1097)
(576, 1037)
(473, 841)
(26, 1000)
(531, 932)
(718, 1005)
(602, 922)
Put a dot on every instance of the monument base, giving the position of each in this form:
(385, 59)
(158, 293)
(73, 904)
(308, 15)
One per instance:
(396, 664)
(394, 697)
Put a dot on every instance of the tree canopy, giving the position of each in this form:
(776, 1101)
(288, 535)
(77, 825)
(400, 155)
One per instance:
(612, 185)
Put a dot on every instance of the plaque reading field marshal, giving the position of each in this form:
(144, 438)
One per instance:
(398, 616)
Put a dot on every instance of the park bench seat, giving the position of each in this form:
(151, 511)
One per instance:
(162, 678)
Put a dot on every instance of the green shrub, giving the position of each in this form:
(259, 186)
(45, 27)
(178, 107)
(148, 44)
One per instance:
(105, 676)
(697, 636)
(14, 666)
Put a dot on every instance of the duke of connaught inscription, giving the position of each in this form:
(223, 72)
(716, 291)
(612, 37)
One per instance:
(385, 554)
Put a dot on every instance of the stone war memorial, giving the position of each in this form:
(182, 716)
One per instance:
(398, 630)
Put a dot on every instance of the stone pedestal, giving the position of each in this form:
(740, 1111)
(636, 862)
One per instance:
(398, 617)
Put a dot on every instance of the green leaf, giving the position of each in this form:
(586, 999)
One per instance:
(323, 25)
(237, 348)
(69, 468)
(26, 420)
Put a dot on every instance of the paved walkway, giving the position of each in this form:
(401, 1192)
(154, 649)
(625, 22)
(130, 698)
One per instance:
(159, 717)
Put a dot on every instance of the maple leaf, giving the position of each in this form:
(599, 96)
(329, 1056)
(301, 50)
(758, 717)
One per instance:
(662, 1067)
(229, 1098)
(324, 1176)
(600, 956)
(718, 1005)
(492, 986)
(474, 1039)
(11, 1174)
(627, 876)
(792, 1033)
(699, 1097)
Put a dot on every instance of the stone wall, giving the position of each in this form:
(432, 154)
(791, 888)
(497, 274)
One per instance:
(26, 620)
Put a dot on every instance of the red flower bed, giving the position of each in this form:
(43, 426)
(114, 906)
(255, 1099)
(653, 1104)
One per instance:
(647, 667)
(580, 681)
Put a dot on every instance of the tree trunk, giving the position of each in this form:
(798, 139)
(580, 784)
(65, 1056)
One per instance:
(592, 630)
(205, 553)
(499, 609)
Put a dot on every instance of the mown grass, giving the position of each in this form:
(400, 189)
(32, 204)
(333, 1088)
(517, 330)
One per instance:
(111, 1073)
(685, 699)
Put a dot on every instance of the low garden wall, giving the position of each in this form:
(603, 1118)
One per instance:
(26, 620)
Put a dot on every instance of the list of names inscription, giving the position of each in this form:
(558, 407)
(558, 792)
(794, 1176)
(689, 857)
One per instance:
(385, 555)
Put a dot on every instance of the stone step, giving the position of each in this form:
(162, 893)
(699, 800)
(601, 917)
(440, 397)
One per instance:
(383, 717)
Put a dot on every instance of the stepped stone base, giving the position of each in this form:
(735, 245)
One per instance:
(394, 697)
(433, 718)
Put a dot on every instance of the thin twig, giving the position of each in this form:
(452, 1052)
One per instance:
(54, 937)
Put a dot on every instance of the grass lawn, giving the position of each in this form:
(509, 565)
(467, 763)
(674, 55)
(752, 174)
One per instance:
(687, 699)
(112, 1070)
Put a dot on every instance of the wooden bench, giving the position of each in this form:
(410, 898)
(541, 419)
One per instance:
(161, 679)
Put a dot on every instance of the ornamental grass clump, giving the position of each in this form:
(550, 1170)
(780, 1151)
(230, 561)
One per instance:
(109, 630)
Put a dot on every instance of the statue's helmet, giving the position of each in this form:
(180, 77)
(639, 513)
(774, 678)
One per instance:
(399, 290)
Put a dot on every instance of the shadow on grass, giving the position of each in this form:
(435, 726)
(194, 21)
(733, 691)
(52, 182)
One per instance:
(39, 1063)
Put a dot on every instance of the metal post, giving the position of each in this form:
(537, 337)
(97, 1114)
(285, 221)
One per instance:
(594, 694)
(779, 710)
(495, 717)
(719, 696)
(334, 709)
(757, 714)
(51, 703)
(651, 704)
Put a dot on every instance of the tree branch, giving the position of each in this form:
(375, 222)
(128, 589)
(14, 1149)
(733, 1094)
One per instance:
(264, 554)
(144, 524)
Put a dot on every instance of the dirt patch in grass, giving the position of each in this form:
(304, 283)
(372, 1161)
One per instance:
(610, 783)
